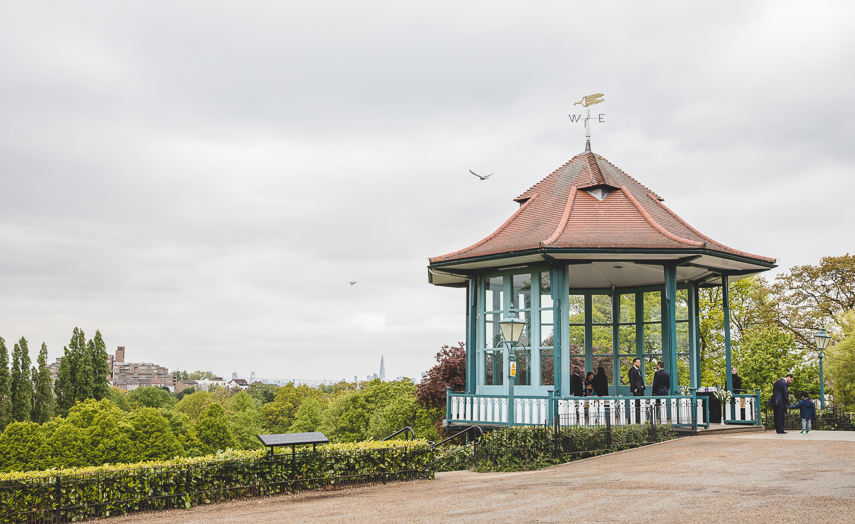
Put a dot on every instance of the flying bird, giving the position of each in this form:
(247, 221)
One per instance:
(352, 283)
(481, 177)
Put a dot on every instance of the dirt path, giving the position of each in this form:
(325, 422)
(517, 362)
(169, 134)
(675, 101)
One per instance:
(697, 479)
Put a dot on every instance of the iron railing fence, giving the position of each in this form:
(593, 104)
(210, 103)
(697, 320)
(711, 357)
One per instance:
(831, 419)
(66, 498)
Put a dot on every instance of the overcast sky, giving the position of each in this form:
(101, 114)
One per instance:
(201, 180)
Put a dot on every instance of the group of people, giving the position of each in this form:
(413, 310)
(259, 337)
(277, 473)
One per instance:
(592, 385)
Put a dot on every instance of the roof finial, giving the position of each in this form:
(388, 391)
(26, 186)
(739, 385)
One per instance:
(586, 102)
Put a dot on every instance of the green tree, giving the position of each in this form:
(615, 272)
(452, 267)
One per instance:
(809, 296)
(119, 398)
(100, 367)
(151, 397)
(277, 416)
(43, 397)
(5, 399)
(105, 431)
(152, 436)
(22, 448)
(768, 355)
(263, 392)
(213, 430)
(840, 364)
(308, 417)
(198, 375)
(21, 384)
(73, 384)
(402, 412)
(182, 428)
(194, 404)
(244, 420)
(352, 424)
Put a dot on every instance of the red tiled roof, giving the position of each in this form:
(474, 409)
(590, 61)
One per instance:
(559, 213)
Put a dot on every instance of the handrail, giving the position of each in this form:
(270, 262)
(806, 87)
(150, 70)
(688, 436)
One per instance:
(462, 431)
(408, 428)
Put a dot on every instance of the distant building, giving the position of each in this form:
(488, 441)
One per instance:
(149, 373)
(382, 369)
(181, 385)
(234, 375)
(205, 383)
(238, 383)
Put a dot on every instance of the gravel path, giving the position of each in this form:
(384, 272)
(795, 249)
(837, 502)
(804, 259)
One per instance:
(696, 479)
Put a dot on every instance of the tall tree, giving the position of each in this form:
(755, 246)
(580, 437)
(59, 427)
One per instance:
(840, 365)
(100, 367)
(68, 380)
(21, 385)
(5, 400)
(43, 397)
(809, 296)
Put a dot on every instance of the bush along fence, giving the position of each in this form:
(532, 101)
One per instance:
(63, 496)
(533, 447)
(831, 419)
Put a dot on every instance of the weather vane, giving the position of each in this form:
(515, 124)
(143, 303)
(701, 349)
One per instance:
(587, 102)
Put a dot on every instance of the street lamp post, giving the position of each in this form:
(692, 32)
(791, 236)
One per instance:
(512, 328)
(822, 341)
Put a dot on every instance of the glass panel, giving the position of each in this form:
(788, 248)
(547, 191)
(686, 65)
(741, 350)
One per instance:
(627, 339)
(650, 368)
(547, 367)
(682, 337)
(653, 338)
(493, 364)
(525, 338)
(546, 316)
(627, 308)
(576, 336)
(545, 290)
(577, 309)
(493, 300)
(602, 340)
(652, 306)
(523, 367)
(682, 304)
(601, 309)
(683, 370)
(606, 363)
(577, 361)
(547, 335)
(625, 364)
(492, 331)
(521, 292)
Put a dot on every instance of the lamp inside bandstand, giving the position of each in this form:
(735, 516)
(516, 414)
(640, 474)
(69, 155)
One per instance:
(512, 328)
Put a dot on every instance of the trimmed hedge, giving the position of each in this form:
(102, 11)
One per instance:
(119, 489)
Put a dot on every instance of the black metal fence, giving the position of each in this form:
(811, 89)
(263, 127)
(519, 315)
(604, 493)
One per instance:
(66, 498)
(831, 419)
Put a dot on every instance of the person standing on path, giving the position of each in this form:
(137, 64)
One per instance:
(636, 385)
(661, 383)
(807, 410)
(781, 401)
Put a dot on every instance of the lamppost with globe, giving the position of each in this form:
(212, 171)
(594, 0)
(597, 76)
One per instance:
(822, 341)
(512, 328)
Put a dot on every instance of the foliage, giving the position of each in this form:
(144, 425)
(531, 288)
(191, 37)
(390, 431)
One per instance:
(449, 371)
(153, 437)
(5, 400)
(840, 364)
(83, 372)
(192, 405)
(767, 356)
(119, 398)
(354, 417)
(809, 296)
(244, 420)
(308, 417)
(198, 375)
(402, 412)
(42, 409)
(113, 490)
(151, 397)
(277, 416)
(100, 363)
(213, 430)
(21, 384)
(263, 392)
(22, 447)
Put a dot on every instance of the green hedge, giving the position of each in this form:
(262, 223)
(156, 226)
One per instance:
(183, 483)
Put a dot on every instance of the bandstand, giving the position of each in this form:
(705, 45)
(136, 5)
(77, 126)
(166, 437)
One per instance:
(602, 272)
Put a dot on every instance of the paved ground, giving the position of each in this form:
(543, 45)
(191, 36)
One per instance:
(748, 478)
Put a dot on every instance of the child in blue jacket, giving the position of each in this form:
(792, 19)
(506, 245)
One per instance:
(807, 411)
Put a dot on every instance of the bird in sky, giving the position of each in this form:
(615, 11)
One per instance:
(352, 283)
(481, 177)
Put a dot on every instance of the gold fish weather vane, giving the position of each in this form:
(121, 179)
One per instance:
(587, 102)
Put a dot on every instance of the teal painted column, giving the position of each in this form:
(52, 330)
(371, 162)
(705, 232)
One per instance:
(471, 334)
(615, 341)
(725, 304)
(694, 352)
(589, 335)
(697, 335)
(559, 322)
(669, 327)
(639, 330)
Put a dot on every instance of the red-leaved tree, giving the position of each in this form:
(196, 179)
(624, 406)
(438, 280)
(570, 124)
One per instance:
(450, 371)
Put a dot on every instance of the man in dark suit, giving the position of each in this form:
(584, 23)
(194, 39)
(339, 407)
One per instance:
(781, 401)
(576, 383)
(661, 383)
(636, 385)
